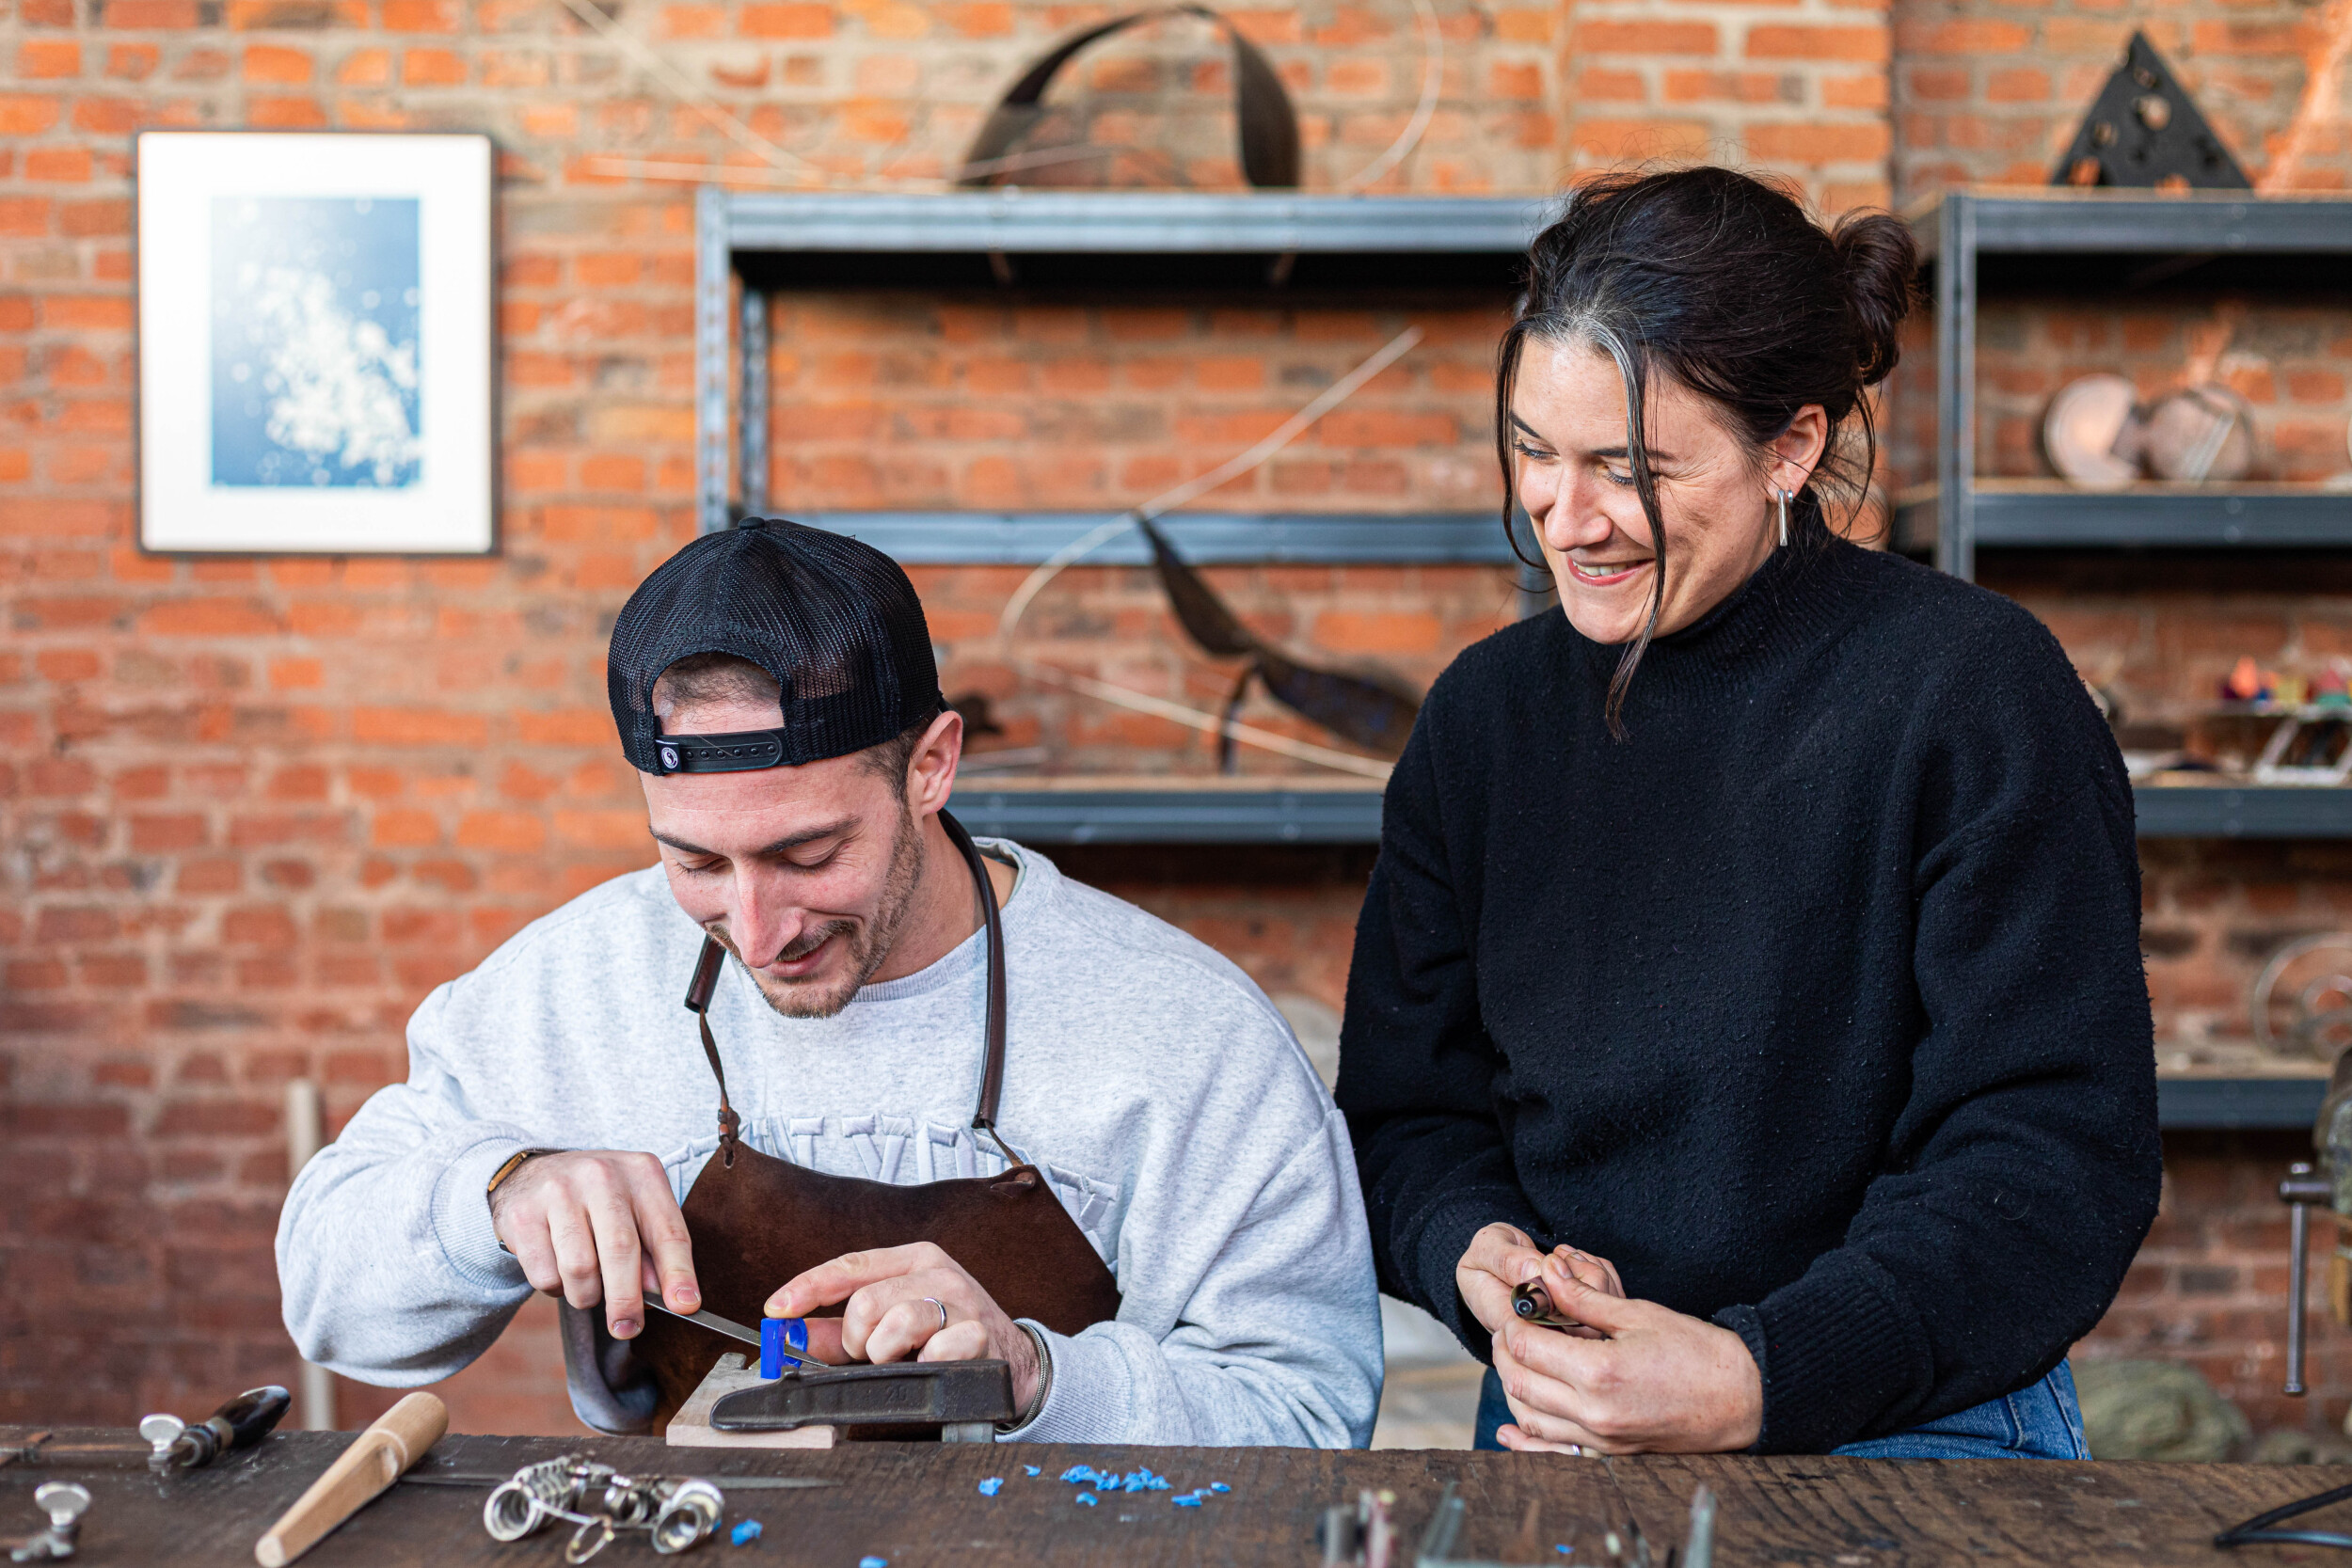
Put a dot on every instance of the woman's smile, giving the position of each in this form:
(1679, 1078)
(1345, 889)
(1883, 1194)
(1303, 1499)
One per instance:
(1605, 574)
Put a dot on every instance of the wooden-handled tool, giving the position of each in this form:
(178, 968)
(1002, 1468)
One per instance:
(397, 1440)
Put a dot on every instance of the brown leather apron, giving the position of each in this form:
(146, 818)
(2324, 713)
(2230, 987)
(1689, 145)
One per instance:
(757, 1221)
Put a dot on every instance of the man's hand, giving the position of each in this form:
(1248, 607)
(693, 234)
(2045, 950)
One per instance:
(889, 1318)
(1500, 1257)
(1659, 1382)
(598, 1226)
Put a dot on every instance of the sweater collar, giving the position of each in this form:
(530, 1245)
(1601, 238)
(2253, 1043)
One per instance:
(1787, 603)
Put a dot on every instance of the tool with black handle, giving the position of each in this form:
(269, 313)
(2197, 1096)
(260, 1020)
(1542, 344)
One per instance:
(172, 1444)
(238, 1424)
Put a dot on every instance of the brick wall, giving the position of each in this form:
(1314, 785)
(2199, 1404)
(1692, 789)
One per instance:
(1990, 90)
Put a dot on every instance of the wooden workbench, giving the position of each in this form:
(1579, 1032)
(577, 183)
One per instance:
(918, 1505)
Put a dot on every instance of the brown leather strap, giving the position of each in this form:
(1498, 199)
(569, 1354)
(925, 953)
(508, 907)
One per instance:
(698, 990)
(714, 957)
(992, 1073)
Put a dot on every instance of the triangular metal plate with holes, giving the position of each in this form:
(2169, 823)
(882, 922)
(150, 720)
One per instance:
(2144, 130)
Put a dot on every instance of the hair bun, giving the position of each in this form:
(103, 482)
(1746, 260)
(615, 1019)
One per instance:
(1880, 261)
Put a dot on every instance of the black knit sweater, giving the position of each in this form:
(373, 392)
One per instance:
(1816, 1003)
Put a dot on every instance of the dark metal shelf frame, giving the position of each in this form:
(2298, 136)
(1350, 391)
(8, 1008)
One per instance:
(1203, 538)
(1256, 245)
(2170, 236)
(1182, 814)
(2222, 1104)
(2215, 519)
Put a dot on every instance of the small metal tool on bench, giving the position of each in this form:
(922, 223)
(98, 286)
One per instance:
(238, 1424)
(172, 1444)
(65, 1503)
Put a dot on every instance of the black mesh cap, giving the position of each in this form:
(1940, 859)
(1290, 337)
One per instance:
(835, 622)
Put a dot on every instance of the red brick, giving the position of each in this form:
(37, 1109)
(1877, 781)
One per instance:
(269, 63)
(1816, 44)
(1645, 37)
(39, 58)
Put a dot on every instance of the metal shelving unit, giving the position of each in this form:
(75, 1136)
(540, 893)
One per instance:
(1258, 246)
(1203, 538)
(1080, 811)
(2248, 1104)
(1978, 243)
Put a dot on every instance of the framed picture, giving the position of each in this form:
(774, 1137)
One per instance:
(315, 346)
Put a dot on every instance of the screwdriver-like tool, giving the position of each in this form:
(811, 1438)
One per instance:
(238, 1424)
(172, 1444)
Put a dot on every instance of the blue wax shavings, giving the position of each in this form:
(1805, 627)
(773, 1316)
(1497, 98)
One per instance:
(745, 1533)
(1218, 1486)
(1086, 1497)
(1078, 1473)
(1190, 1499)
(1029, 1470)
(873, 1563)
(992, 1485)
(1564, 1551)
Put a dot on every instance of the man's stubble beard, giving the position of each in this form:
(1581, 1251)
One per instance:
(869, 943)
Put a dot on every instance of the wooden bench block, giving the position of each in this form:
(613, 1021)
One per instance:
(690, 1426)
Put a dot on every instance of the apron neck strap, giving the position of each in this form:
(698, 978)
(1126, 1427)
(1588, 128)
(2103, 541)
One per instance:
(713, 957)
(993, 1074)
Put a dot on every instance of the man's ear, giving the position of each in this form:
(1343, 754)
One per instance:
(932, 766)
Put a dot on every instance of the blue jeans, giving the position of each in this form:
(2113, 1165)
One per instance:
(2039, 1421)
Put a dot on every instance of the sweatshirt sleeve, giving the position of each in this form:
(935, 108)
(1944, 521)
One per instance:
(2025, 1167)
(1416, 1068)
(387, 1263)
(1277, 1343)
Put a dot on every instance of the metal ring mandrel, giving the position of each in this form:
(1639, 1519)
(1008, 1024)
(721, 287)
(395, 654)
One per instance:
(1533, 1306)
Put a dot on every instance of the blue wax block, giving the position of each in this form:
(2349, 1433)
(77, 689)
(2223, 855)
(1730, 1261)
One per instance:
(1086, 1497)
(745, 1533)
(1218, 1486)
(1029, 1470)
(778, 1339)
(992, 1485)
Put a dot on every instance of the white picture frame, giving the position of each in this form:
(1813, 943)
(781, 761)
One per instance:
(316, 350)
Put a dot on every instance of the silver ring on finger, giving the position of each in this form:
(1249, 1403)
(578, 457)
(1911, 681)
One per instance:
(943, 1311)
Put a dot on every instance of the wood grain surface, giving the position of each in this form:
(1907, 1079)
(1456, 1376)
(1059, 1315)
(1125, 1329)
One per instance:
(918, 1505)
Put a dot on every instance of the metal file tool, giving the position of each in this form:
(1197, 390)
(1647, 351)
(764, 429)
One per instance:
(771, 1338)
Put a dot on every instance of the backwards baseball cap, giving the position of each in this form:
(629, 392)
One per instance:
(835, 622)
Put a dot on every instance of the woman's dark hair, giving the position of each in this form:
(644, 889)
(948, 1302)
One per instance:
(1723, 281)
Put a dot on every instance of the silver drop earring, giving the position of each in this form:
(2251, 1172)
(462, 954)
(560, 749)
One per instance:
(1780, 498)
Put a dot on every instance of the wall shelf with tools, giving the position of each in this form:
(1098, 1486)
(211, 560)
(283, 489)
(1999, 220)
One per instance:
(1980, 245)
(1257, 250)
(1256, 246)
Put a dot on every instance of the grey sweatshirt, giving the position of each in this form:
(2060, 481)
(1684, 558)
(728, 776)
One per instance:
(1160, 1093)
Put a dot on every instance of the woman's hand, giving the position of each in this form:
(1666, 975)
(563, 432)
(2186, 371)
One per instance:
(908, 1303)
(1659, 1382)
(1500, 1257)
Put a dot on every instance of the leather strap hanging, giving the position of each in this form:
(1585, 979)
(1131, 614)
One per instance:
(1267, 125)
(714, 957)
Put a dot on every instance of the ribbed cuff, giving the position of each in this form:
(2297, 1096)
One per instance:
(1444, 1234)
(461, 1213)
(1838, 1349)
(1087, 1402)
